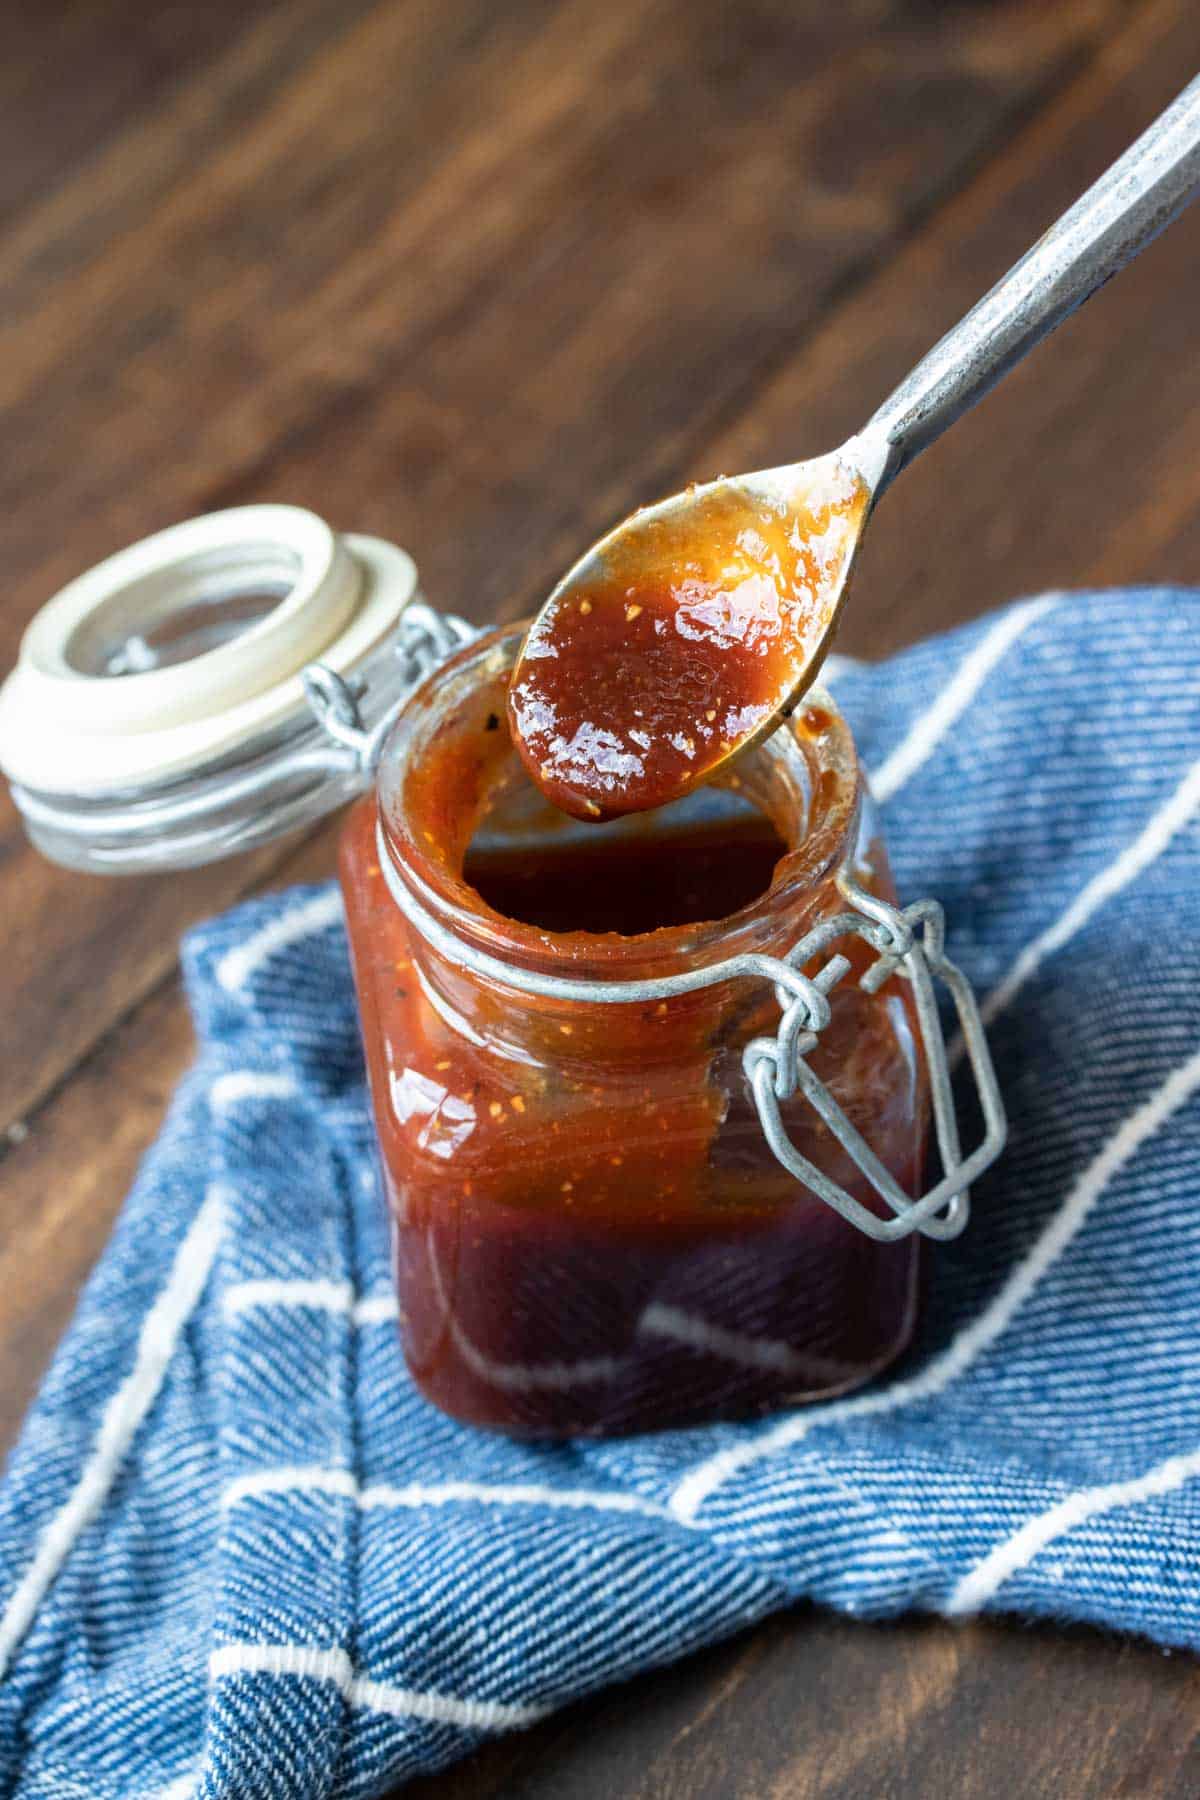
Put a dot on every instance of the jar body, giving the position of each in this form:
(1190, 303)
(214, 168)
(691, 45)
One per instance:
(581, 1250)
(590, 1231)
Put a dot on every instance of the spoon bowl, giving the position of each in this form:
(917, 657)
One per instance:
(687, 633)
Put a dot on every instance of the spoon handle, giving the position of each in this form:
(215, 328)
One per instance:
(1118, 216)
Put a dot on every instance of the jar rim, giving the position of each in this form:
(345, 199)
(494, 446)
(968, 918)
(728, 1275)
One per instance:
(813, 751)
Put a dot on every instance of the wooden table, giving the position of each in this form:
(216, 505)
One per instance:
(477, 276)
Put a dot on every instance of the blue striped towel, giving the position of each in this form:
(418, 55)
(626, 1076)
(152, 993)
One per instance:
(242, 1557)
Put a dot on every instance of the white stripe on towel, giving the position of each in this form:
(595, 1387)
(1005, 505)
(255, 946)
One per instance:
(376, 1309)
(1016, 1552)
(249, 1084)
(305, 1663)
(448, 1493)
(320, 1294)
(932, 724)
(317, 914)
(161, 1330)
(1150, 843)
(182, 1788)
(328, 1296)
(414, 1495)
(697, 1486)
(312, 1479)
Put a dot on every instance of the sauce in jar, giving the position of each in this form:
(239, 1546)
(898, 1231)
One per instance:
(703, 863)
(591, 1234)
(680, 643)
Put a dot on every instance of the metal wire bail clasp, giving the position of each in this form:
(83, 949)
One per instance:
(777, 1067)
(424, 638)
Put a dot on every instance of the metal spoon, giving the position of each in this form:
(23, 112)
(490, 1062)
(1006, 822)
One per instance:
(690, 630)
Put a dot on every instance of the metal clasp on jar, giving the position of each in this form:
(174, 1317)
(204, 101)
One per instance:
(909, 942)
(424, 639)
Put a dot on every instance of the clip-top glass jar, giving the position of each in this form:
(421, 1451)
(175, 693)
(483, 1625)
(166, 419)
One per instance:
(625, 1189)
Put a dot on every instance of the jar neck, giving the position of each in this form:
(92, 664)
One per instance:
(449, 771)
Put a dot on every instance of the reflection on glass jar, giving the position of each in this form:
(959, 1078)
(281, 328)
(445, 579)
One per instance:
(591, 1234)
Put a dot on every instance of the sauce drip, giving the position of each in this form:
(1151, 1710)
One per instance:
(682, 640)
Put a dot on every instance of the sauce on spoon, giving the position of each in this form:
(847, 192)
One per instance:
(681, 639)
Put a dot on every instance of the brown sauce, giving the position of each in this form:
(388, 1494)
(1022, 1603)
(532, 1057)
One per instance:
(619, 878)
(682, 645)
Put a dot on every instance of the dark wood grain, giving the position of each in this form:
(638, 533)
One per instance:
(478, 278)
(74, 76)
(1080, 468)
(810, 1707)
(472, 277)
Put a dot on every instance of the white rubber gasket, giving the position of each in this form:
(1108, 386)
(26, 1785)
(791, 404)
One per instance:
(65, 731)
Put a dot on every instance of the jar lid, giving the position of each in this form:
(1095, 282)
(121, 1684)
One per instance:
(160, 715)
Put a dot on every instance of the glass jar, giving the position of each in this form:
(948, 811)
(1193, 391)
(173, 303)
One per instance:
(624, 1191)
(591, 1232)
